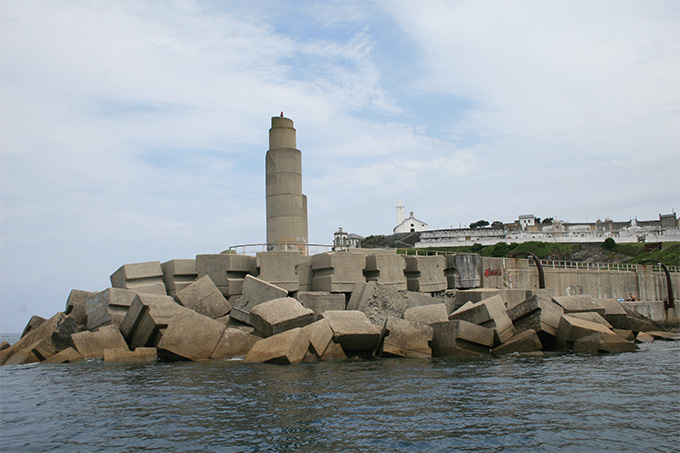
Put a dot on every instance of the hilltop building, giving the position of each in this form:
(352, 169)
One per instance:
(343, 240)
(407, 225)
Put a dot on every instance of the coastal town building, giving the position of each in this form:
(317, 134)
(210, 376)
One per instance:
(407, 225)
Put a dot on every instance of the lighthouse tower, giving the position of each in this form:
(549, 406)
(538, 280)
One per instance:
(400, 213)
(286, 205)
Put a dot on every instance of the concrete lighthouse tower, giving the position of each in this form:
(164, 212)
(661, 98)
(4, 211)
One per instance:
(286, 205)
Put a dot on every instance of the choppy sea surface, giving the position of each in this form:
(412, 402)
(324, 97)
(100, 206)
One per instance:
(624, 402)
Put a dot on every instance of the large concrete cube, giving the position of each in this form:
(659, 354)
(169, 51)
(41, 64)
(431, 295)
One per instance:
(460, 338)
(204, 297)
(303, 269)
(601, 342)
(425, 273)
(540, 314)
(285, 348)
(92, 344)
(279, 269)
(387, 270)
(279, 315)
(226, 270)
(401, 338)
(353, 331)
(571, 329)
(421, 299)
(234, 343)
(577, 304)
(461, 297)
(108, 307)
(50, 337)
(320, 301)
(255, 292)
(190, 336)
(75, 305)
(463, 271)
(337, 272)
(377, 302)
(320, 336)
(139, 355)
(33, 323)
(140, 277)
(68, 355)
(614, 313)
(147, 316)
(488, 313)
(525, 341)
(427, 314)
(178, 274)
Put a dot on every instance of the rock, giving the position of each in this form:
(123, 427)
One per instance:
(178, 274)
(204, 297)
(460, 338)
(279, 315)
(92, 344)
(425, 274)
(287, 347)
(320, 301)
(488, 313)
(255, 292)
(525, 341)
(571, 329)
(603, 342)
(108, 307)
(427, 314)
(387, 270)
(140, 277)
(353, 331)
(139, 355)
(643, 337)
(75, 306)
(52, 336)
(234, 343)
(190, 336)
(68, 355)
(147, 316)
(401, 338)
(34, 322)
(577, 304)
(377, 302)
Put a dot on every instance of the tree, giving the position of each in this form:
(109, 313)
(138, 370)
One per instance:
(479, 223)
(548, 221)
(609, 244)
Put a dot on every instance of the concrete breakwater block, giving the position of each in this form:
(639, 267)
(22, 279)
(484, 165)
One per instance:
(592, 316)
(461, 297)
(279, 269)
(576, 304)
(427, 314)
(33, 323)
(387, 270)
(525, 341)
(377, 302)
(571, 329)
(285, 348)
(320, 301)
(401, 338)
(460, 338)
(108, 307)
(463, 271)
(204, 297)
(255, 292)
(337, 272)
(234, 343)
(488, 313)
(540, 314)
(425, 274)
(278, 315)
(178, 274)
(190, 336)
(614, 313)
(42, 342)
(140, 277)
(147, 316)
(353, 331)
(75, 306)
(226, 270)
(602, 342)
(139, 355)
(91, 345)
(68, 355)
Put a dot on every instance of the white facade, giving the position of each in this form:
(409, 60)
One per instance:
(410, 225)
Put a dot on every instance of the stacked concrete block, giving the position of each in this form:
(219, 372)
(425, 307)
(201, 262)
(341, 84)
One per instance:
(401, 338)
(488, 313)
(190, 336)
(75, 305)
(234, 343)
(461, 297)
(592, 316)
(68, 355)
(337, 272)
(140, 277)
(279, 315)
(148, 315)
(204, 297)
(614, 313)
(460, 338)
(377, 302)
(578, 304)
(571, 329)
(638, 323)
(34, 322)
(303, 269)
(42, 342)
(226, 270)
(427, 314)
(425, 274)
(320, 301)
(353, 331)
(320, 336)
(526, 341)
(285, 348)
(643, 337)
(92, 344)
(139, 355)
(421, 299)
(108, 307)
(388, 270)
(255, 292)
(279, 269)
(540, 314)
(178, 274)
(463, 271)
(600, 342)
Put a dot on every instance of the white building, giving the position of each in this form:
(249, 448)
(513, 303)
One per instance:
(343, 240)
(407, 225)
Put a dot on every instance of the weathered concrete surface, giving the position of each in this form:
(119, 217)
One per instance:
(401, 338)
(592, 316)
(333, 352)
(178, 274)
(577, 304)
(540, 314)
(23, 356)
(190, 336)
(204, 297)
(460, 338)
(234, 343)
(614, 313)
(148, 314)
(108, 307)
(377, 302)
(278, 315)
(91, 345)
(643, 337)
(665, 336)
(320, 301)
(625, 334)
(52, 336)
(34, 322)
(303, 269)
(639, 323)
(75, 306)
(525, 341)
(421, 299)
(285, 348)
(353, 331)
(320, 336)
(387, 270)
(68, 355)
(140, 277)
(337, 272)
(461, 297)
(427, 314)
(603, 342)
(4, 345)
(226, 270)
(279, 269)
(255, 292)
(571, 329)
(488, 313)
(425, 274)
(463, 271)
(139, 355)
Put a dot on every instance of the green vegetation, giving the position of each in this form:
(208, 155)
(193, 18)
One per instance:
(669, 254)
(479, 224)
(609, 244)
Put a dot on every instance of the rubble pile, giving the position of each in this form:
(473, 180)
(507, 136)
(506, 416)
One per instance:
(285, 308)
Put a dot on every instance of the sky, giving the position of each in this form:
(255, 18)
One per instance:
(135, 131)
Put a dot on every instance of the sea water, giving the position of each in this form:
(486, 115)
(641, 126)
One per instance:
(561, 402)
